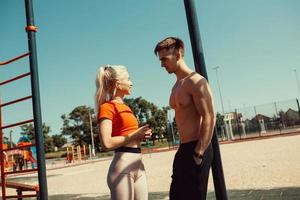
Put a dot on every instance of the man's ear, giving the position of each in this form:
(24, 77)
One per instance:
(178, 55)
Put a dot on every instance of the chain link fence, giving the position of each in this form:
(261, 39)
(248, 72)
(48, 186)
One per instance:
(274, 118)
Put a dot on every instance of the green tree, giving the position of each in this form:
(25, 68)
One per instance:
(219, 124)
(59, 140)
(149, 113)
(77, 126)
(141, 108)
(283, 118)
(28, 130)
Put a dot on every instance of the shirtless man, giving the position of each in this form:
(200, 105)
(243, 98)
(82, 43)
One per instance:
(192, 100)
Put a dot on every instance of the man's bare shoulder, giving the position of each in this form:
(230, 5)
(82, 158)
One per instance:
(199, 88)
(197, 80)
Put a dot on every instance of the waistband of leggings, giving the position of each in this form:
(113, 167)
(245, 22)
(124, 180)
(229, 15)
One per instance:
(129, 149)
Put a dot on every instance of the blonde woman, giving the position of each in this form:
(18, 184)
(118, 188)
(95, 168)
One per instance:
(119, 131)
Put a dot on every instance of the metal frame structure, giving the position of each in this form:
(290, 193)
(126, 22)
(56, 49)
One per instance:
(4, 174)
(41, 191)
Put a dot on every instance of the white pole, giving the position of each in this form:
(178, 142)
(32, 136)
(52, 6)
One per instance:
(90, 152)
(171, 127)
(92, 136)
(221, 98)
(216, 69)
(297, 79)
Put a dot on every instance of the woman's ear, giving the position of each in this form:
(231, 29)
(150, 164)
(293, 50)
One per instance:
(117, 85)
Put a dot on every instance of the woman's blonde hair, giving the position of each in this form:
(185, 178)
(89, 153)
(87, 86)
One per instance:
(106, 79)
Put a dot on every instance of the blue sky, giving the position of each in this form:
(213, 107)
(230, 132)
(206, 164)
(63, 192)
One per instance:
(256, 44)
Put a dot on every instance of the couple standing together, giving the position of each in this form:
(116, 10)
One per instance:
(192, 100)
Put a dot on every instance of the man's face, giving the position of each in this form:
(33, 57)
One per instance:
(168, 60)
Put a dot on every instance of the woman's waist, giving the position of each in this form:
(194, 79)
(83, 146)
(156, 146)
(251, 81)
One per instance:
(128, 149)
(133, 146)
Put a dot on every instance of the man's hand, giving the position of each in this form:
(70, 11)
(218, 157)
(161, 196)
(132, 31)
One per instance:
(198, 157)
(197, 160)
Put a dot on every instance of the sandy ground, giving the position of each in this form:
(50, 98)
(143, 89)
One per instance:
(258, 164)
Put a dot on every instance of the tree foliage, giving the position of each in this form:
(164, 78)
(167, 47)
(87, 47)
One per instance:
(148, 113)
(28, 130)
(77, 126)
(58, 140)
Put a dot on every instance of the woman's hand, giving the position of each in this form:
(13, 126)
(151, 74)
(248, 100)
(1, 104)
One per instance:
(144, 132)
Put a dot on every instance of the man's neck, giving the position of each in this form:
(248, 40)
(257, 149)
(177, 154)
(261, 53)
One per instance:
(183, 71)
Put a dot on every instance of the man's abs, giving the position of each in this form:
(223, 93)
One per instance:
(188, 124)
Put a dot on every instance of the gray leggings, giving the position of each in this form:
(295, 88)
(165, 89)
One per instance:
(126, 177)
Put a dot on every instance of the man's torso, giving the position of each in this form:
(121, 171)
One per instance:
(188, 119)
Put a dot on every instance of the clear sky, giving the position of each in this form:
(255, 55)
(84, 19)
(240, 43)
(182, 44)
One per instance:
(256, 44)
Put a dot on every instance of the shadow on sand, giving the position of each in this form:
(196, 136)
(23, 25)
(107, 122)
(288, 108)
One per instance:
(292, 193)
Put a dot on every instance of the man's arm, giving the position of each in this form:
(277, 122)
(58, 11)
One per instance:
(203, 99)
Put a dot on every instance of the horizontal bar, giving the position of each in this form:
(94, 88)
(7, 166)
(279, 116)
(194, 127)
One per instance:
(21, 196)
(14, 59)
(19, 147)
(16, 124)
(15, 101)
(15, 78)
(22, 171)
(21, 186)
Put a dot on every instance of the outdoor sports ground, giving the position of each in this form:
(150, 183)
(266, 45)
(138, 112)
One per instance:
(264, 168)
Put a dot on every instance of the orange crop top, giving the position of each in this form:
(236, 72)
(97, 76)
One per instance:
(122, 117)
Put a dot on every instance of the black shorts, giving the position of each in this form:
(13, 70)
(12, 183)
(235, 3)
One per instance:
(189, 180)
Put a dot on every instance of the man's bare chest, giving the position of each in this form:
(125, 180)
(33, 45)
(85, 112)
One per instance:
(180, 96)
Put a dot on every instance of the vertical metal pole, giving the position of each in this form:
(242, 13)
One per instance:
(92, 136)
(3, 180)
(277, 115)
(298, 106)
(221, 98)
(217, 169)
(36, 103)
(171, 128)
(276, 108)
(257, 121)
(229, 137)
(297, 79)
(10, 140)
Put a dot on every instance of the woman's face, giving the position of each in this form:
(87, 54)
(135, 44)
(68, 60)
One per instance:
(124, 84)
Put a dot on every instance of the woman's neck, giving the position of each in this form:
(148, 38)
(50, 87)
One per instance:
(118, 99)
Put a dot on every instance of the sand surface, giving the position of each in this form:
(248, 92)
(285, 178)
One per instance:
(257, 164)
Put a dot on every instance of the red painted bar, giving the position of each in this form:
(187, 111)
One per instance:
(15, 101)
(22, 171)
(16, 124)
(14, 59)
(21, 196)
(20, 147)
(15, 78)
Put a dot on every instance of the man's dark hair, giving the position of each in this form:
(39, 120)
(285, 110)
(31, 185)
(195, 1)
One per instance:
(170, 43)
